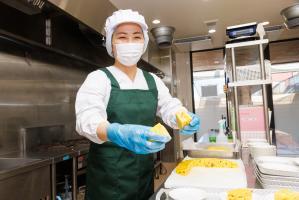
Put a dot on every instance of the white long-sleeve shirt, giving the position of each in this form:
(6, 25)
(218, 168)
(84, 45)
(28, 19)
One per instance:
(93, 96)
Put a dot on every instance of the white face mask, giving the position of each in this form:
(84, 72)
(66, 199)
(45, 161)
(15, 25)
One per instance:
(129, 54)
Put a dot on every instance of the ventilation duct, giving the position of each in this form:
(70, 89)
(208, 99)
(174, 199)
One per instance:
(291, 16)
(274, 32)
(192, 39)
(193, 43)
(163, 36)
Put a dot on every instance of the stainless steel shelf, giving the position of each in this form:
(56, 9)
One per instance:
(263, 82)
(249, 82)
(245, 44)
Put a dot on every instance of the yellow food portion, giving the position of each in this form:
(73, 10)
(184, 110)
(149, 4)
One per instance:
(217, 148)
(159, 129)
(239, 194)
(185, 166)
(182, 119)
(286, 194)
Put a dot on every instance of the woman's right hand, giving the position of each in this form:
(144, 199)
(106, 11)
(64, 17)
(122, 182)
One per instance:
(136, 138)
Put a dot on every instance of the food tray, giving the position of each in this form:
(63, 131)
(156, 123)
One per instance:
(231, 146)
(280, 166)
(203, 153)
(199, 150)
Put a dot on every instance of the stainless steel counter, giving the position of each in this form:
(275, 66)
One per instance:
(13, 166)
(11, 163)
(55, 152)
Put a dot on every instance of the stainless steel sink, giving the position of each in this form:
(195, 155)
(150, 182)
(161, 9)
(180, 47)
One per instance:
(11, 163)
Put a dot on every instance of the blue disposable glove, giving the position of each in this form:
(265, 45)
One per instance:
(136, 138)
(193, 126)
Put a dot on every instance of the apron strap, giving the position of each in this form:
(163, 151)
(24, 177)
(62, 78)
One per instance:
(113, 81)
(151, 83)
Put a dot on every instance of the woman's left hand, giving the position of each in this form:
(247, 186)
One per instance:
(193, 126)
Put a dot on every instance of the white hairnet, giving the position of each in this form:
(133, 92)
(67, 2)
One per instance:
(123, 16)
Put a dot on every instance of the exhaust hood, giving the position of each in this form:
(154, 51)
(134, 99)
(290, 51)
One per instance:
(291, 16)
(30, 7)
(93, 13)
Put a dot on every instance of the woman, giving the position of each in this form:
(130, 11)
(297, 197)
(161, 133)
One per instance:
(116, 107)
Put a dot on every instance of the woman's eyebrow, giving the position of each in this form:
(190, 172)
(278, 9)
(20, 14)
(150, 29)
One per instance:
(121, 33)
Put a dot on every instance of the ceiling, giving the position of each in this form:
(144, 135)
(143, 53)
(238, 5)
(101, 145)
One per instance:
(188, 16)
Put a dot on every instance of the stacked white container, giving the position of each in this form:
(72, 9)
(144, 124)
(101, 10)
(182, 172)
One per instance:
(277, 172)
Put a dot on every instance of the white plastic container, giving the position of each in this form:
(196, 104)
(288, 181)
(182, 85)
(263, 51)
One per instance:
(221, 137)
(262, 150)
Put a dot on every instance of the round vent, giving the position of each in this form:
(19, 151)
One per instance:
(163, 36)
(291, 16)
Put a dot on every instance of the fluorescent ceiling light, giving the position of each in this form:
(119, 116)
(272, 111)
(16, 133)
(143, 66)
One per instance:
(265, 23)
(156, 21)
(212, 30)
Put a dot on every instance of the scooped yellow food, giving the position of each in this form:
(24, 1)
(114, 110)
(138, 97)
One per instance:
(160, 130)
(183, 119)
(239, 194)
(217, 148)
(286, 194)
(185, 166)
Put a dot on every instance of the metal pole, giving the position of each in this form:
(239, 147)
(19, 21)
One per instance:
(226, 101)
(53, 180)
(229, 119)
(74, 174)
(264, 91)
(235, 94)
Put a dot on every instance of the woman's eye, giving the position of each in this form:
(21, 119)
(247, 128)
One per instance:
(121, 38)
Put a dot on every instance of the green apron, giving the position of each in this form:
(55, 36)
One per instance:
(113, 172)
